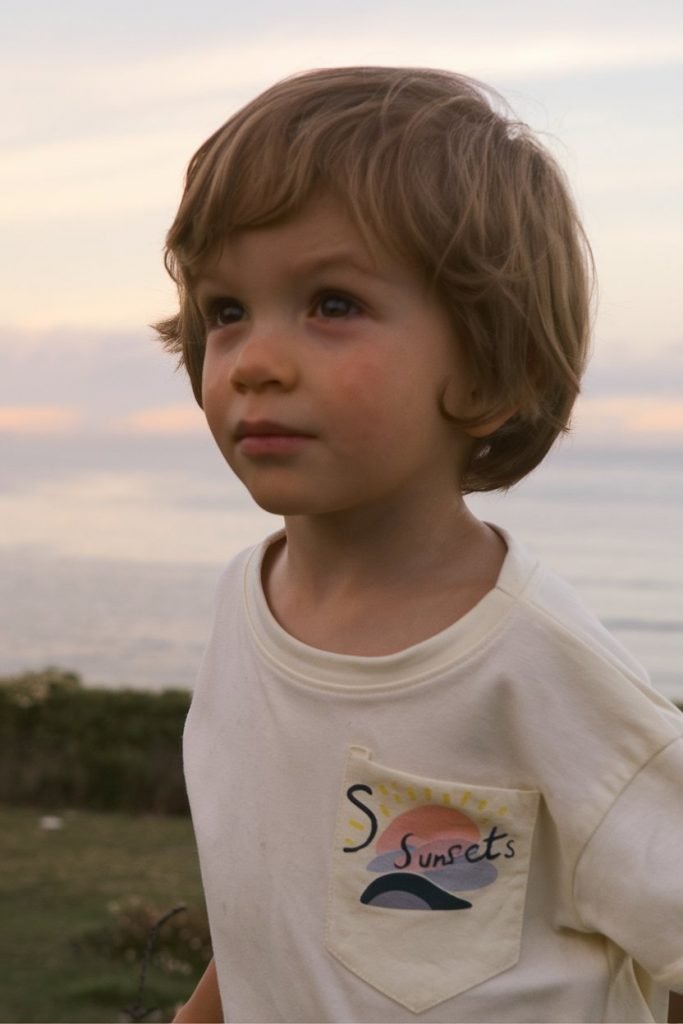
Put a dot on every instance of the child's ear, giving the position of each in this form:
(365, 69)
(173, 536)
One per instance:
(491, 425)
(473, 406)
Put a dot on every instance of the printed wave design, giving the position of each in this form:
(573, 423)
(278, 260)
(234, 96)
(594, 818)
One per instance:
(461, 874)
(399, 891)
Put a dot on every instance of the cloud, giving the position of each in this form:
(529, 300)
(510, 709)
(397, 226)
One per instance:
(169, 419)
(157, 93)
(624, 418)
(40, 419)
(105, 174)
(48, 420)
(106, 374)
(619, 369)
(544, 46)
(109, 105)
(122, 386)
(619, 419)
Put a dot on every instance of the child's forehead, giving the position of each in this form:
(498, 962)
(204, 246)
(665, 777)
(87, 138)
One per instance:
(322, 234)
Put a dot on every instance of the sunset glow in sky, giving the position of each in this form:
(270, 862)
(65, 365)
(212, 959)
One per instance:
(106, 102)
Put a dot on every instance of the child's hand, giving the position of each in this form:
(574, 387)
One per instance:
(675, 1008)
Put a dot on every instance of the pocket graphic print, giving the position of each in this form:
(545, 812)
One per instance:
(430, 852)
(408, 849)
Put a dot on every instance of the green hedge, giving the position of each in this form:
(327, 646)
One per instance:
(63, 745)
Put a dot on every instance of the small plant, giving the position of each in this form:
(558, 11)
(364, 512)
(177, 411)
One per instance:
(174, 942)
(182, 943)
(137, 1011)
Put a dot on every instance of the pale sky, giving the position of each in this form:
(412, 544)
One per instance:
(105, 102)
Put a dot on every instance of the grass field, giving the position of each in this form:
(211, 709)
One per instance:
(58, 886)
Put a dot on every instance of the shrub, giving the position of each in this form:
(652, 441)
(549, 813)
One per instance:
(66, 745)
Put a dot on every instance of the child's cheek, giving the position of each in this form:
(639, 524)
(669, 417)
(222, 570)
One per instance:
(364, 378)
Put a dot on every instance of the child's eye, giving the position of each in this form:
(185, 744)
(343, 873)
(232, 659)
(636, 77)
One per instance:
(222, 312)
(335, 306)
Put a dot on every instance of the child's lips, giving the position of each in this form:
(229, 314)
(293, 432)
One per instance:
(267, 437)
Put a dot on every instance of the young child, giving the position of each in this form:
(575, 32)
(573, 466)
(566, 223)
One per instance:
(425, 783)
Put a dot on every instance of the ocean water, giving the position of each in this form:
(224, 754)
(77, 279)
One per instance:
(611, 524)
(608, 521)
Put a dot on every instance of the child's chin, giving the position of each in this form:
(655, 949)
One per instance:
(282, 505)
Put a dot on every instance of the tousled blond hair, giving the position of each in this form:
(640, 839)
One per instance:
(433, 172)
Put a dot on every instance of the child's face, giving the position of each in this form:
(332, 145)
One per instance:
(325, 368)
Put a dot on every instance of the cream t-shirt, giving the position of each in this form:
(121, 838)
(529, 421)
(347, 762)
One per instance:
(486, 826)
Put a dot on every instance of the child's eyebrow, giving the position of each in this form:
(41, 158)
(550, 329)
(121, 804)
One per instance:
(337, 259)
(322, 262)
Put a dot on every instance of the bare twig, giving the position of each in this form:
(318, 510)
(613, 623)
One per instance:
(137, 1011)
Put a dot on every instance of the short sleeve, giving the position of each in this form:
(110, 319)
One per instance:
(629, 880)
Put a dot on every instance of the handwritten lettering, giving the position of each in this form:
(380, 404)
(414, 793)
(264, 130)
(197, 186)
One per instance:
(488, 849)
(351, 795)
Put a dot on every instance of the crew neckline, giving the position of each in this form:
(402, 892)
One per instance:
(424, 660)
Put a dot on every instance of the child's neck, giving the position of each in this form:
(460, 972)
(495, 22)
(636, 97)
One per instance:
(372, 589)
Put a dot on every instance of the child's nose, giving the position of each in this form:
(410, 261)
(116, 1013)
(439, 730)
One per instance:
(264, 360)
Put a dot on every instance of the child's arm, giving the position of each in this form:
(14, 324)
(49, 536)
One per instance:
(204, 1005)
(675, 1008)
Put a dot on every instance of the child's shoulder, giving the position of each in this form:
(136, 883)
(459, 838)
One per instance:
(553, 601)
(566, 643)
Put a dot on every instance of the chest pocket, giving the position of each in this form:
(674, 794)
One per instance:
(428, 881)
